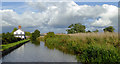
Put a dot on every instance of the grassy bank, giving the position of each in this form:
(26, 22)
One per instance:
(88, 47)
(7, 46)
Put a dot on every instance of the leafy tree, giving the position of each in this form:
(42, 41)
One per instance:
(13, 30)
(27, 33)
(88, 31)
(109, 29)
(35, 35)
(9, 38)
(96, 30)
(76, 28)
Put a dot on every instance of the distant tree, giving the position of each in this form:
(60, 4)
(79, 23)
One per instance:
(109, 29)
(76, 28)
(96, 30)
(27, 33)
(88, 31)
(35, 35)
(13, 30)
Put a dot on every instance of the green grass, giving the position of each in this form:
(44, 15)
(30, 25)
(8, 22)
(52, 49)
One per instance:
(7, 46)
(88, 47)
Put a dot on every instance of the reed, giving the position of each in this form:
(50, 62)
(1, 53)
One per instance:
(88, 47)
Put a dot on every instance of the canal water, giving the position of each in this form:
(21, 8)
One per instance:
(37, 53)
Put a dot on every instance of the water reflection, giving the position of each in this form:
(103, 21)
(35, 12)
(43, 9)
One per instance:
(38, 53)
(36, 42)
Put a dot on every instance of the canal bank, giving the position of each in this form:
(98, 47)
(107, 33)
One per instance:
(10, 47)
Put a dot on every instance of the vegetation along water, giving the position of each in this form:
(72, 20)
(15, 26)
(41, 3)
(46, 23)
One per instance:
(88, 47)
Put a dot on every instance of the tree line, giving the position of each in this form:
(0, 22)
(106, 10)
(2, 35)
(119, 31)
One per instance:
(9, 38)
(79, 28)
(35, 35)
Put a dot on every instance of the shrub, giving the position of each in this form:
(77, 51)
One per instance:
(49, 35)
(35, 35)
(109, 29)
(9, 38)
(98, 54)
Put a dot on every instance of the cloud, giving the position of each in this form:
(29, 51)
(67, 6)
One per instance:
(56, 16)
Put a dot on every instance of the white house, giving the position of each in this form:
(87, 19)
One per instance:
(19, 33)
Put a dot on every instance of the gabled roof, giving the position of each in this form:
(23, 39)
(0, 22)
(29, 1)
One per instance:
(19, 31)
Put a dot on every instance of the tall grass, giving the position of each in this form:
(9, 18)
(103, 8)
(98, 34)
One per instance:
(88, 47)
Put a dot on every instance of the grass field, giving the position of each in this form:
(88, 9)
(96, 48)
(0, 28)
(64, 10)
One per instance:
(7, 46)
(88, 47)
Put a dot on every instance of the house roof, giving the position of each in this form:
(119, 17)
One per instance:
(19, 31)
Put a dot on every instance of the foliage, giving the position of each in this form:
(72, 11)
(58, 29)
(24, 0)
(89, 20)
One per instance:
(109, 29)
(96, 30)
(9, 38)
(7, 46)
(88, 31)
(27, 33)
(41, 38)
(13, 30)
(49, 35)
(88, 47)
(35, 35)
(76, 28)
(98, 54)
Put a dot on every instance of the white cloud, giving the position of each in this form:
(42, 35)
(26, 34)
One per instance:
(58, 15)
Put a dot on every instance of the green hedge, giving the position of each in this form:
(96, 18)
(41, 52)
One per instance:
(6, 46)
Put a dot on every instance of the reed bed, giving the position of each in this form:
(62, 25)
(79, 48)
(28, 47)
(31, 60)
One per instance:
(88, 47)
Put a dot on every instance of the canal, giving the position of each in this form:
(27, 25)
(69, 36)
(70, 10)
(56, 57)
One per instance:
(37, 53)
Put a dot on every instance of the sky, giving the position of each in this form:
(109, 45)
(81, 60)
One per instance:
(57, 16)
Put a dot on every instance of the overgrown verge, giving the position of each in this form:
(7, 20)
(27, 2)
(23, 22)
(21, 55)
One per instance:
(7, 46)
(88, 47)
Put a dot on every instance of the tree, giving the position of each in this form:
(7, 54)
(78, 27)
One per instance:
(13, 30)
(76, 28)
(109, 29)
(9, 38)
(88, 31)
(27, 33)
(96, 30)
(35, 35)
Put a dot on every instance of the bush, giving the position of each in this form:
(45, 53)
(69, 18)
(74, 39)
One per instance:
(49, 35)
(109, 29)
(98, 54)
(9, 38)
(35, 35)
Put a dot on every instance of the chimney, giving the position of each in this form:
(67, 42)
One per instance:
(19, 27)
